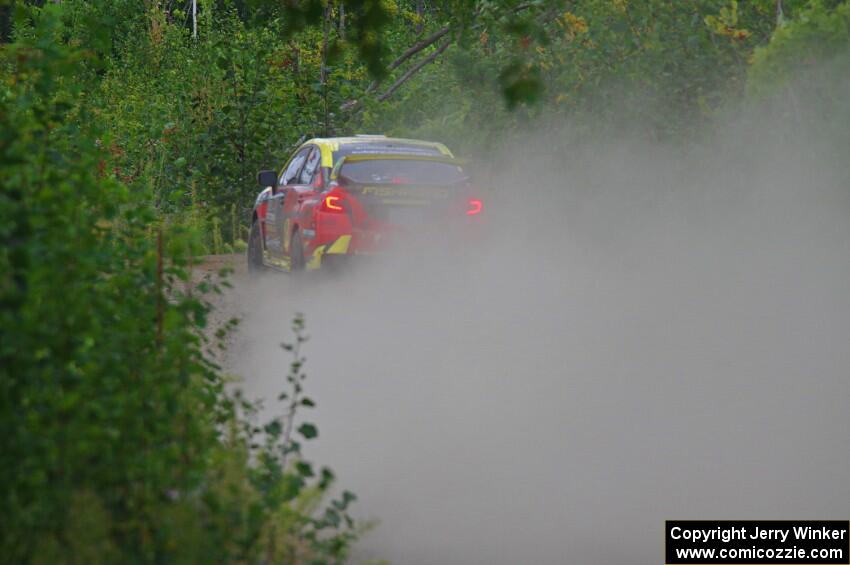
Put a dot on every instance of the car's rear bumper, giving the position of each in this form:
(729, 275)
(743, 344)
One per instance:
(391, 241)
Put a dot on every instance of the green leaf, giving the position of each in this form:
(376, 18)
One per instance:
(291, 486)
(304, 469)
(326, 478)
(520, 84)
(309, 431)
(273, 428)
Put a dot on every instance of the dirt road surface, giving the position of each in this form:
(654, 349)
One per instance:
(637, 335)
(541, 415)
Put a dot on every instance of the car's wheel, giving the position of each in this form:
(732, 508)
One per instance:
(255, 250)
(296, 253)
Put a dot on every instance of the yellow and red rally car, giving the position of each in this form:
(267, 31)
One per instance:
(346, 196)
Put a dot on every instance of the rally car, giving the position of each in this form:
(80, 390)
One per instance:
(345, 196)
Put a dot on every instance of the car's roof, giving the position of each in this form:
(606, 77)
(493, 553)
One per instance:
(335, 143)
(333, 146)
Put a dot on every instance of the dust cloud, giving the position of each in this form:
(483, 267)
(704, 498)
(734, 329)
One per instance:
(640, 332)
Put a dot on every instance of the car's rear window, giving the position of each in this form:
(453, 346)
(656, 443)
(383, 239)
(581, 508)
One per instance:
(402, 171)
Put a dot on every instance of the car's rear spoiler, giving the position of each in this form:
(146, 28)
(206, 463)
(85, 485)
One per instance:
(392, 156)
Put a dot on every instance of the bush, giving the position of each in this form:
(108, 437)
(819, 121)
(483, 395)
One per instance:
(121, 443)
(239, 246)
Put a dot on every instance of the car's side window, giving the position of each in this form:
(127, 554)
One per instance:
(308, 173)
(294, 167)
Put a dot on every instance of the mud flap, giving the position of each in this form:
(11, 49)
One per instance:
(338, 247)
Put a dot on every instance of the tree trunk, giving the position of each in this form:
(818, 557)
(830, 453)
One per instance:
(323, 71)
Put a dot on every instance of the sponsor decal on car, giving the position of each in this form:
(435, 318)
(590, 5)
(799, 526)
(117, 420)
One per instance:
(384, 191)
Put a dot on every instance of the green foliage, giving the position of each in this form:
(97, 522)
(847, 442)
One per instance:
(192, 121)
(91, 386)
(818, 36)
(128, 147)
(801, 75)
(120, 441)
(665, 68)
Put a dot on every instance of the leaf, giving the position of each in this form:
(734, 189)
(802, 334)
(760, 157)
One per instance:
(327, 478)
(293, 447)
(520, 84)
(309, 431)
(273, 429)
(291, 486)
(332, 517)
(304, 469)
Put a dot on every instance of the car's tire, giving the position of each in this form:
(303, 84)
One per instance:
(296, 253)
(255, 250)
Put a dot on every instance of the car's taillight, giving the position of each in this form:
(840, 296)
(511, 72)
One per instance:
(332, 203)
(475, 206)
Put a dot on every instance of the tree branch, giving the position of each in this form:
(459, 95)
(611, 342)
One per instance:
(414, 69)
(417, 47)
(410, 52)
(513, 11)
